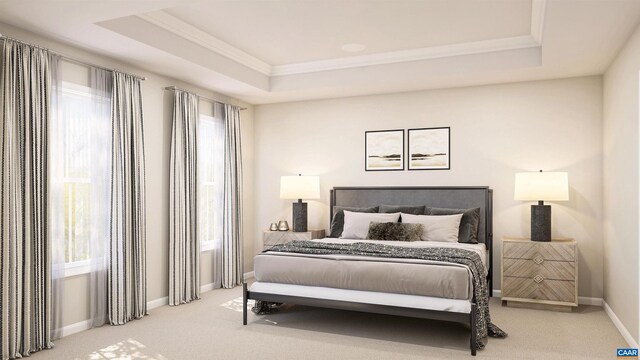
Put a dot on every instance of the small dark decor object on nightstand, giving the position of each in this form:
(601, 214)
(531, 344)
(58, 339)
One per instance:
(283, 225)
(541, 186)
(273, 227)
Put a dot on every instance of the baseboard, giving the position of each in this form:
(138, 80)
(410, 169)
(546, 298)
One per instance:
(76, 328)
(620, 326)
(582, 300)
(157, 303)
(206, 287)
(86, 324)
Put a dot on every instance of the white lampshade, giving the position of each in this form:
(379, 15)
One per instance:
(542, 186)
(299, 187)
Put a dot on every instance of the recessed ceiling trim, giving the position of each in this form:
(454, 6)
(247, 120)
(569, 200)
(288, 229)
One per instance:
(193, 34)
(432, 52)
(538, 8)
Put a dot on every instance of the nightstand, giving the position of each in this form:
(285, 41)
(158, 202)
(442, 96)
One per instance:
(270, 238)
(540, 274)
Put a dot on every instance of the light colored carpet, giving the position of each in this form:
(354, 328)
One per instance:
(211, 328)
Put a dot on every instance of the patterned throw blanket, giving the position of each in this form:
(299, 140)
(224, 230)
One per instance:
(453, 255)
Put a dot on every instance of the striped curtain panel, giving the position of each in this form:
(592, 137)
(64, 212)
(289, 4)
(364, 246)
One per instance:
(126, 268)
(232, 204)
(25, 259)
(184, 248)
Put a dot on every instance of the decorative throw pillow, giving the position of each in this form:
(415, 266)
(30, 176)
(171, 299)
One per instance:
(337, 223)
(395, 231)
(436, 228)
(356, 225)
(407, 209)
(468, 226)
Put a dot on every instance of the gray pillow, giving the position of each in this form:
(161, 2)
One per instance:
(407, 209)
(395, 231)
(337, 224)
(468, 232)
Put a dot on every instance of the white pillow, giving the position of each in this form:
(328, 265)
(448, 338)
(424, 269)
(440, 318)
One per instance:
(436, 227)
(356, 224)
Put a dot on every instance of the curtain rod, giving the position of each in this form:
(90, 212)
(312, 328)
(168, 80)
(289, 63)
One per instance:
(70, 59)
(174, 88)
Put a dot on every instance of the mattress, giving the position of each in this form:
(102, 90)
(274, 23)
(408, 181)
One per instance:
(366, 297)
(365, 273)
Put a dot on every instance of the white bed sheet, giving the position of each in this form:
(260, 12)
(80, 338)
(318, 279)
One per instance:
(367, 297)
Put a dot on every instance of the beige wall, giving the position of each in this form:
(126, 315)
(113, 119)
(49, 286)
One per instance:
(620, 129)
(157, 108)
(496, 131)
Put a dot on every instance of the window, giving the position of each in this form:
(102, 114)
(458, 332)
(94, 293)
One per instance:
(75, 105)
(78, 140)
(209, 164)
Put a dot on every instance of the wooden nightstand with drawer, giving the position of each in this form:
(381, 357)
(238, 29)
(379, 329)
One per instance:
(540, 274)
(270, 238)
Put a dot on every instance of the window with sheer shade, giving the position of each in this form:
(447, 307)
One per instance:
(210, 168)
(80, 142)
(76, 105)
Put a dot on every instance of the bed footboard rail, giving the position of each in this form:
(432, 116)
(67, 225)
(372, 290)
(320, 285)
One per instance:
(464, 318)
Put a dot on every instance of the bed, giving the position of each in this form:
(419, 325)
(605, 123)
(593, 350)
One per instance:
(428, 289)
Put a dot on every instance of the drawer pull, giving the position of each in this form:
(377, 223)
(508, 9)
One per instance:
(538, 279)
(538, 260)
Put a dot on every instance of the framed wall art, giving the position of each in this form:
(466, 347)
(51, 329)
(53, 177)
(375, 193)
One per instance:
(384, 150)
(429, 149)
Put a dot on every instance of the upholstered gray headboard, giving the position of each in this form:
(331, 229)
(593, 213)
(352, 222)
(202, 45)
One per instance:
(457, 197)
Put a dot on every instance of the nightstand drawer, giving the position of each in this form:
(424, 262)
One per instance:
(544, 251)
(528, 268)
(545, 289)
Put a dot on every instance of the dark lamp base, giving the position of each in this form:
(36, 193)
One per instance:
(541, 222)
(299, 216)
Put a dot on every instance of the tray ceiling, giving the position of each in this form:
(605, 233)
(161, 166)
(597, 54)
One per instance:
(308, 31)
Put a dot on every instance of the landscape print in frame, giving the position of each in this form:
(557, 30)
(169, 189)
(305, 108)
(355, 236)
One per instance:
(429, 148)
(384, 150)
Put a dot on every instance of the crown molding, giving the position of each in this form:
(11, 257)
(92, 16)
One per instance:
(195, 35)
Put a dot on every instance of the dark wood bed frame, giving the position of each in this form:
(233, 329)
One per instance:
(464, 318)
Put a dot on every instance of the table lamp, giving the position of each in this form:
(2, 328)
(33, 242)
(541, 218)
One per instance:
(541, 187)
(299, 187)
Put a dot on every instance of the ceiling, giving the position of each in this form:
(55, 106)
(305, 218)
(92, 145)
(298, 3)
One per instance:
(307, 31)
(288, 50)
